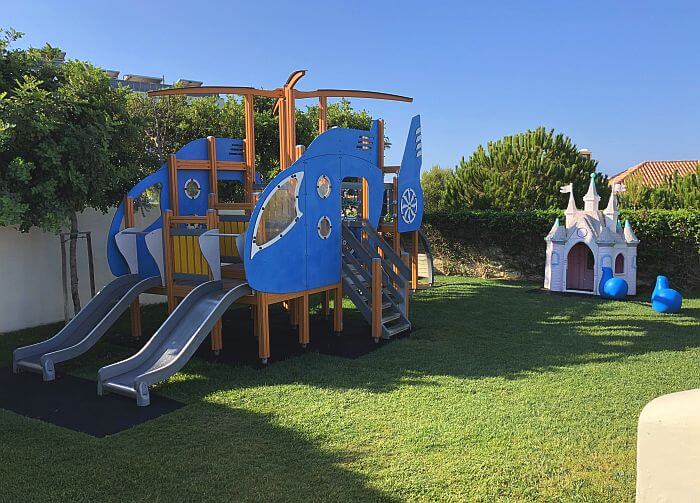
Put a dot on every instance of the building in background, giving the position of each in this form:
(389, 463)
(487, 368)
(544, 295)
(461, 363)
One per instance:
(654, 173)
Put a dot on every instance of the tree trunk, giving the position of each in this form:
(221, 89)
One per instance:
(73, 260)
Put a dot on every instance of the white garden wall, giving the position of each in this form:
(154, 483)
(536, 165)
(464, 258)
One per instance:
(30, 272)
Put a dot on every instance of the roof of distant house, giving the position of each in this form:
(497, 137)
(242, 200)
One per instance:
(654, 173)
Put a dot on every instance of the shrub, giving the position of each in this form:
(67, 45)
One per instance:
(511, 245)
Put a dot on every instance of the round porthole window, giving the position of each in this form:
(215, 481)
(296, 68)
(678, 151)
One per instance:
(324, 227)
(192, 188)
(323, 187)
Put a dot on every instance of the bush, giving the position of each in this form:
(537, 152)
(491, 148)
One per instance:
(522, 172)
(502, 244)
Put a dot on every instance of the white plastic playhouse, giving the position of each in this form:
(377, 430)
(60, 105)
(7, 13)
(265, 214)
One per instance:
(590, 240)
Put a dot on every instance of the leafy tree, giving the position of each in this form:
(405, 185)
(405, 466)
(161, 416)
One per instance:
(67, 143)
(677, 192)
(172, 121)
(433, 183)
(522, 172)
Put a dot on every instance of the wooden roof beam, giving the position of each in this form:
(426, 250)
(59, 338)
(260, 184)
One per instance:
(350, 93)
(241, 91)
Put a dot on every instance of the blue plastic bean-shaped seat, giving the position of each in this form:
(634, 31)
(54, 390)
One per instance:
(665, 299)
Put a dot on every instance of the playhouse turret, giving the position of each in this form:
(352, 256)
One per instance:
(571, 208)
(592, 198)
(611, 211)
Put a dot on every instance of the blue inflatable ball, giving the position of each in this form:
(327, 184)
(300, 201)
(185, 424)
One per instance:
(611, 287)
(615, 288)
(665, 299)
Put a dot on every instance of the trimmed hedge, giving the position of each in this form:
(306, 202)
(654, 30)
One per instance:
(502, 244)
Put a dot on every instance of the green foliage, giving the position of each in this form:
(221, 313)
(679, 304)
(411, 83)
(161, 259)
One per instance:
(433, 183)
(676, 192)
(68, 141)
(172, 121)
(511, 244)
(522, 172)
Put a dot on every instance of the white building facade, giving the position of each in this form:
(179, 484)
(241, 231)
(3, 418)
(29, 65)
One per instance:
(589, 240)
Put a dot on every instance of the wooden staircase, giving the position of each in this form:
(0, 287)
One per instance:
(377, 280)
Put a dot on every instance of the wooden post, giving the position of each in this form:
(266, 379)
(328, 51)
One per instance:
(168, 259)
(405, 258)
(282, 117)
(376, 298)
(299, 151)
(414, 260)
(395, 214)
(291, 123)
(249, 150)
(326, 303)
(303, 303)
(213, 177)
(135, 308)
(293, 311)
(322, 114)
(365, 206)
(172, 178)
(262, 318)
(338, 309)
(217, 340)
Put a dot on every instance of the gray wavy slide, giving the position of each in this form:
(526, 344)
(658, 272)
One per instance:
(85, 329)
(174, 342)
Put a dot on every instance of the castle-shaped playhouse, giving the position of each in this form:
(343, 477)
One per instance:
(590, 240)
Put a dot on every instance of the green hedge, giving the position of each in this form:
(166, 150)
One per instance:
(511, 244)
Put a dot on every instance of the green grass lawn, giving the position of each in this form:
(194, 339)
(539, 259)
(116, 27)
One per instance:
(499, 394)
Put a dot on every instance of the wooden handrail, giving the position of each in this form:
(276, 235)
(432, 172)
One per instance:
(389, 254)
(188, 219)
(376, 298)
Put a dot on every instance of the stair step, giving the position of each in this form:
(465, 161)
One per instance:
(398, 328)
(390, 317)
(385, 305)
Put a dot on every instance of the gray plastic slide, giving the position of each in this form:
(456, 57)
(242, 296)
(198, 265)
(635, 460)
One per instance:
(83, 331)
(174, 343)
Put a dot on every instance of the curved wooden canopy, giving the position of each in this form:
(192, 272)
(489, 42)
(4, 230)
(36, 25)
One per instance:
(241, 91)
(350, 93)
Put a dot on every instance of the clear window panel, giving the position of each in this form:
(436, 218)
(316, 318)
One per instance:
(279, 212)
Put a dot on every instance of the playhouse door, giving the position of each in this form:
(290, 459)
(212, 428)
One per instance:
(580, 268)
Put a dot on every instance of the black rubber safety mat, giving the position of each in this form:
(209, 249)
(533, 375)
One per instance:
(241, 346)
(72, 402)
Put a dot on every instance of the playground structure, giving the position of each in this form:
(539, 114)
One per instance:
(280, 243)
(591, 246)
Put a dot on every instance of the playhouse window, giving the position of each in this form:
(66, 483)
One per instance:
(278, 214)
(620, 264)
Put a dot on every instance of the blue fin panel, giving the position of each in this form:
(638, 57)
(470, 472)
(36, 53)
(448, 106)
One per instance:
(410, 196)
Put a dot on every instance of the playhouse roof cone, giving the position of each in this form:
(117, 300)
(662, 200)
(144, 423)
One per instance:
(592, 198)
(557, 233)
(630, 236)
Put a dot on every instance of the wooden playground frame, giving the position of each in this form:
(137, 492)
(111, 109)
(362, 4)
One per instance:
(296, 303)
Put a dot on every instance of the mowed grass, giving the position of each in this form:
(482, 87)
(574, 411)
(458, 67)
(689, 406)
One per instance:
(500, 394)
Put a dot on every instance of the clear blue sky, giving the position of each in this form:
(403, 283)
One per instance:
(620, 78)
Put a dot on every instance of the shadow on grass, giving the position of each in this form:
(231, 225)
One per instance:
(202, 452)
(465, 329)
